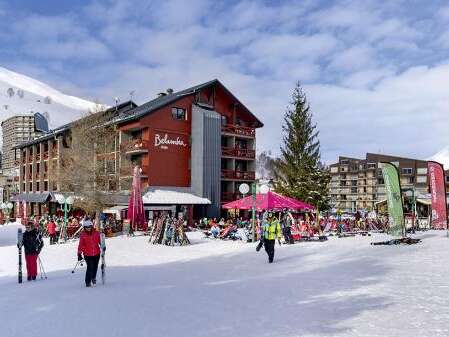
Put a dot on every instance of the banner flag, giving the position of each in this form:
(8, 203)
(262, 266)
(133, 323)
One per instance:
(394, 199)
(438, 194)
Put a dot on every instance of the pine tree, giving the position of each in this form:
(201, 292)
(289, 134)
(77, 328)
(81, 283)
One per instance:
(298, 172)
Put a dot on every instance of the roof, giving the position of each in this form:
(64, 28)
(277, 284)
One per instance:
(172, 196)
(120, 108)
(32, 197)
(159, 102)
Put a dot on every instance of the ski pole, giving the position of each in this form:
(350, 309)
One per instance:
(77, 263)
(41, 267)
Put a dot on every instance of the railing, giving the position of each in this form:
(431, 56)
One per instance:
(230, 196)
(135, 145)
(45, 155)
(37, 157)
(129, 171)
(227, 174)
(239, 130)
(236, 152)
(239, 175)
(245, 175)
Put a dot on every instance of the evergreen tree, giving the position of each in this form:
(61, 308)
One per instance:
(298, 172)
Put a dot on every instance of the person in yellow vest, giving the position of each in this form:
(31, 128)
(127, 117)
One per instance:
(271, 229)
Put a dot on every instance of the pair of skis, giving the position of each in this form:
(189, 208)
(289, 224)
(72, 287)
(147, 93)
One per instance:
(103, 260)
(19, 246)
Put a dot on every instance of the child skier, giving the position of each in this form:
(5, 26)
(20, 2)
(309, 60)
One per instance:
(51, 229)
(32, 243)
(89, 249)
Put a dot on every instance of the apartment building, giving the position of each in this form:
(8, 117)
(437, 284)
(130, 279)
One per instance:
(16, 130)
(358, 183)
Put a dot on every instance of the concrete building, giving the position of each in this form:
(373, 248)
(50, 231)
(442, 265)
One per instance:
(16, 130)
(200, 140)
(358, 183)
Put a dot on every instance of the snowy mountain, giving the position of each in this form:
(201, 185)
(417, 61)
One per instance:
(442, 157)
(23, 94)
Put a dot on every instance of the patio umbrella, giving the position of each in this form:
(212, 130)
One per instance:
(136, 213)
(268, 201)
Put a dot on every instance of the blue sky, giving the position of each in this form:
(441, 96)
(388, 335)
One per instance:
(376, 72)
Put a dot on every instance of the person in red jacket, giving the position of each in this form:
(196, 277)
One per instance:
(51, 230)
(89, 249)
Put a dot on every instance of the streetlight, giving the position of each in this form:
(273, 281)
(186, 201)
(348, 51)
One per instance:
(7, 207)
(67, 203)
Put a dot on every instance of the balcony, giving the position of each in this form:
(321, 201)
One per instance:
(128, 171)
(238, 175)
(238, 130)
(230, 196)
(135, 146)
(239, 153)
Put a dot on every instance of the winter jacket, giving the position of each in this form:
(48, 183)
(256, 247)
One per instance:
(271, 230)
(32, 242)
(51, 228)
(89, 244)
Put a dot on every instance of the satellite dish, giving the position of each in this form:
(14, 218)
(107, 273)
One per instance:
(244, 188)
(40, 122)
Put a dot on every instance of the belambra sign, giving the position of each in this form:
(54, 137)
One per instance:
(163, 141)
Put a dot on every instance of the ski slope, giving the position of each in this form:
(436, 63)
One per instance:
(37, 96)
(442, 157)
(343, 287)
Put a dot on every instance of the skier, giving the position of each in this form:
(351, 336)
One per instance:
(33, 243)
(270, 230)
(89, 249)
(286, 228)
(51, 229)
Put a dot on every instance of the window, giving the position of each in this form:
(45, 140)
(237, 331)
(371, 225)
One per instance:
(178, 113)
(406, 170)
(421, 179)
(422, 170)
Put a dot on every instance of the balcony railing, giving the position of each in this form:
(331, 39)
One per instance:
(239, 130)
(238, 175)
(236, 152)
(230, 196)
(245, 175)
(135, 145)
(129, 171)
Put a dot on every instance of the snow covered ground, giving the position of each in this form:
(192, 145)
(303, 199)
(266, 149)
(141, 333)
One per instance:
(343, 287)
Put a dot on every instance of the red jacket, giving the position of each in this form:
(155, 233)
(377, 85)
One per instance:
(89, 243)
(51, 228)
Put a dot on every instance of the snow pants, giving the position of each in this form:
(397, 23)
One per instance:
(31, 262)
(269, 248)
(287, 231)
(91, 268)
(53, 239)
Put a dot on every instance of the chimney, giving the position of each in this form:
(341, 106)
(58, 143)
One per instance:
(169, 91)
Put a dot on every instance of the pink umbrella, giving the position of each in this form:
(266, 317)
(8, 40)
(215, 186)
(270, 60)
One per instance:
(136, 213)
(268, 201)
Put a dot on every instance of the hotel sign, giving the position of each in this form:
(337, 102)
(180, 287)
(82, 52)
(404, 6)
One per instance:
(163, 141)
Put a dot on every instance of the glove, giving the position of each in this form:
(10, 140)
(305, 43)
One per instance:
(80, 257)
(279, 240)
